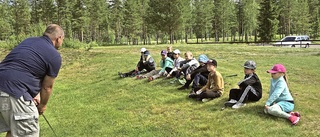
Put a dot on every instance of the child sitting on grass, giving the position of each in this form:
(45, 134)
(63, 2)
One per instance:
(249, 88)
(214, 87)
(145, 64)
(176, 65)
(186, 67)
(166, 65)
(280, 102)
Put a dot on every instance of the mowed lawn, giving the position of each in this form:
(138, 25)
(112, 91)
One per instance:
(90, 100)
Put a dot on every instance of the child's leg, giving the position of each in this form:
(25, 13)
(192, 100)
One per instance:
(209, 94)
(151, 73)
(129, 73)
(234, 94)
(276, 110)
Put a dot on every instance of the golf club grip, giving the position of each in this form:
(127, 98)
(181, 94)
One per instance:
(233, 75)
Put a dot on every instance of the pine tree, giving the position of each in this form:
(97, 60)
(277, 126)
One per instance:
(314, 12)
(165, 16)
(116, 12)
(250, 13)
(267, 20)
(64, 16)
(79, 19)
(5, 20)
(301, 17)
(187, 19)
(21, 16)
(133, 20)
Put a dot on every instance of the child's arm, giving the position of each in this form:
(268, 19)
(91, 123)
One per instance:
(274, 95)
(250, 80)
(166, 64)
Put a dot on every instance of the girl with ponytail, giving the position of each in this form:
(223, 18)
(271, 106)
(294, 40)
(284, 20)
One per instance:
(280, 102)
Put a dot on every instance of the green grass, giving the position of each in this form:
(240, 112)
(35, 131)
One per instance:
(90, 100)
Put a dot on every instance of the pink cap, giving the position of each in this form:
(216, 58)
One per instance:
(277, 68)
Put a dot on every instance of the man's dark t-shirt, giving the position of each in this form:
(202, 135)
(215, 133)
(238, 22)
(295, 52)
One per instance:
(23, 69)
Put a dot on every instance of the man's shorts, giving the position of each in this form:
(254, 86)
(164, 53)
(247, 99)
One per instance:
(18, 116)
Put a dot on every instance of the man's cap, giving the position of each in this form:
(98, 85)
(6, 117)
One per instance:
(163, 52)
(146, 53)
(212, 62)
(203, 58)
(143, 49)
(277, 68)
(250, 64)
(176, 51)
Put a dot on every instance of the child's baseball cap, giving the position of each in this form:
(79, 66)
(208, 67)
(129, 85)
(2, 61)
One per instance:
(277, 68)
(146, 53)
(176, 51)
(163, 52)
(250, 64)
(143, 49)
(203, 58)
(212, 62)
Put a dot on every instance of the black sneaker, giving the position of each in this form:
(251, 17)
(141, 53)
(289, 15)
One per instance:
(183, 88)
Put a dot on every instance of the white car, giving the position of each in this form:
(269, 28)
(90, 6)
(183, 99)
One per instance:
(294, 41)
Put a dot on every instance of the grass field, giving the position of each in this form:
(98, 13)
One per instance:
(90, 100)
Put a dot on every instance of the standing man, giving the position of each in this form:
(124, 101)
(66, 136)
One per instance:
(29, 69)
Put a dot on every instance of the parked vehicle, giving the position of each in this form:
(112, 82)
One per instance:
(293, 41)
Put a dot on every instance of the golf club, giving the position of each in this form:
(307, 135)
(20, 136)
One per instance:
(233, 75)
(49, 125)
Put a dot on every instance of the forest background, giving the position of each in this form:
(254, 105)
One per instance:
(90, 23)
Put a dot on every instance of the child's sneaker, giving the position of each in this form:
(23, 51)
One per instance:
(238, 105)
(230, 103)
(295, 114)
(206, 100)
(182, 81)
(150, 79)
(174, 81)
(294, 119)
(139, 77)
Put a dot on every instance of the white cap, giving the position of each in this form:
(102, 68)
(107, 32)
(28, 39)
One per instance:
(143, 49)
(176, 51)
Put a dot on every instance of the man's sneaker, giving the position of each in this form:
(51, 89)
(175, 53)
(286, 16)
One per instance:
(230, 103)
(206, 100)
(294, 119)
(295, 114)
(150, 79)
(238, 105)
(183, 88)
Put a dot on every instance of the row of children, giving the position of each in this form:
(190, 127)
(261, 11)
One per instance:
(208, 83)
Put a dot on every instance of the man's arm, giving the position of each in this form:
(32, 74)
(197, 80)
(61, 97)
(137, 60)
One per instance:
(46, 90)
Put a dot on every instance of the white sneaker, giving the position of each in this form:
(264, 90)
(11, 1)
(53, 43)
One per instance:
(206, 100)
(238, 105)
(182, 81)
(174, 81)
(230, 103)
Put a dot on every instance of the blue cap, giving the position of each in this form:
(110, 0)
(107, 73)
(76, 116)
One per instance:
(203, 58)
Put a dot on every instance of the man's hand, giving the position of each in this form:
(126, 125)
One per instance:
(36, 100)
(41, 108)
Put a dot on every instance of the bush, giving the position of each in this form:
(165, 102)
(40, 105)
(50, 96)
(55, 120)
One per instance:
(74, 43)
